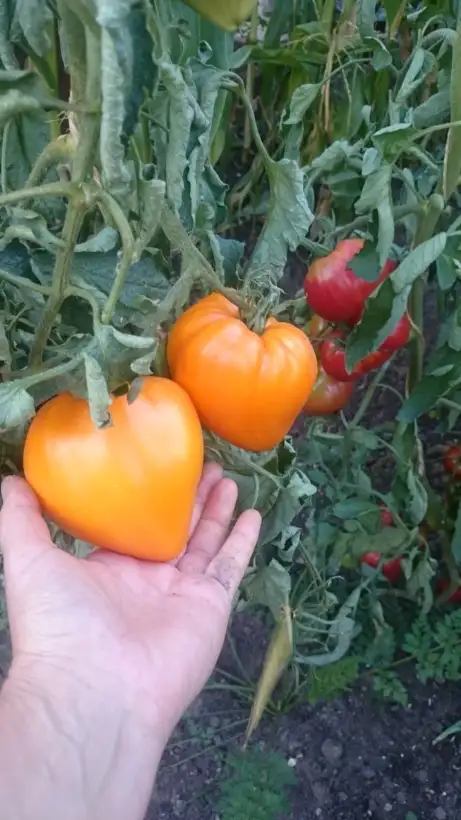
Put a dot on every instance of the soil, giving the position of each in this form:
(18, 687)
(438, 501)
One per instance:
(354, 758)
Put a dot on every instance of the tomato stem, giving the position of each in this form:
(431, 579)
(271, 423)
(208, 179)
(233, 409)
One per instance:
(128, 249)
(79, 202)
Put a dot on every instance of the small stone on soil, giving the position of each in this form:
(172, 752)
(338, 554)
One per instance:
(331, 750)
(440, 814)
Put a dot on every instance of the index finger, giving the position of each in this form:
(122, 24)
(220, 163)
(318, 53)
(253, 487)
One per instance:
(23, 532)
(228, 567)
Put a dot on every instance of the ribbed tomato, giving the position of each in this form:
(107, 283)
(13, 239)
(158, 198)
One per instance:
(334, 291)
(328, 396)
(247, 387)
(333, 354)
(129, 487)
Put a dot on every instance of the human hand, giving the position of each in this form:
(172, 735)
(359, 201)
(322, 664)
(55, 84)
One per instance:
(156, 629)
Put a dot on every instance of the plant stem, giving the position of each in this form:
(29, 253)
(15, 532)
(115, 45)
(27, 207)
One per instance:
(44, 375)
(369, 393)
(79, 203)
(128, 246)
(72, 224)
(399, 213)
(250, 78)
(50, 189)
(23, 282)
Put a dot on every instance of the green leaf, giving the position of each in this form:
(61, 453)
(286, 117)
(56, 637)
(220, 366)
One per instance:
(208, 81)
(421, 63)
(434, 110)
(456, 539)
(352, 508)
(452, 161)
(35, 20)
(288, 220)
(376, 187)
(116, 83)
(303, 97)
(366, 17)
(278, 23)
(16, 408)
(394, 139)
(329, 682)
(427, 393)
(454, 729)
(386, 306)
(448, 262)
(366, 263)
(340, 633)
(270, 587)
(289, 503)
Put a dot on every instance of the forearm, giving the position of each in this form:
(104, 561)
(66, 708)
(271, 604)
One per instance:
(71, 751)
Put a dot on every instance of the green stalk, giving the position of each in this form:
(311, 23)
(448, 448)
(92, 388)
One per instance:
(79, 204)
(250, 78)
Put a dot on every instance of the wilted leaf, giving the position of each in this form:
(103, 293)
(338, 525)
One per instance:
(98, 394)
(366, 17)
(271, 587)
(290, 502)
(276, 660)
(16, 407)
(340, 633)
(288, 220)
(301, 100)
(117, 69)
(101, 242)
(35, 20)
(452, 163)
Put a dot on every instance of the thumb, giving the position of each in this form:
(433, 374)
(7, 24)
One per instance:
(24, 534)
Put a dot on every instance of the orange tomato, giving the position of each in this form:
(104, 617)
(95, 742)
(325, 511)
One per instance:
(129, 487)
(247, 388)
(328, 395)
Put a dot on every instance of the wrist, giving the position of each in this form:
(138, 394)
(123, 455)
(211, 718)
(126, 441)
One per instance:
(87, 752)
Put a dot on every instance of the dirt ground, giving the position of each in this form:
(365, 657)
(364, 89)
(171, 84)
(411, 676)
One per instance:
(354, 758)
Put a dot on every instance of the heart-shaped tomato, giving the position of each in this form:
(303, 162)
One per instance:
(247, 387)
(129, 487)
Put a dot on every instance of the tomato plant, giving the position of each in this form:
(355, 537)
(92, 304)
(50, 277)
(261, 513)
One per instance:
(392, 569)
(333, 355)
(332, 288)
(128, 487)
(452, 461)
(117, 225)
(328, 396)
(264, 380)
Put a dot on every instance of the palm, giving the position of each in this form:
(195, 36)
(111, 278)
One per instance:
(113, 615)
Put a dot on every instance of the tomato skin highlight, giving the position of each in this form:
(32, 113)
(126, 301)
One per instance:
(334, 291)
(328, 396)
(247, 388)
(130, 487)
(333, 355)
(452, 460)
